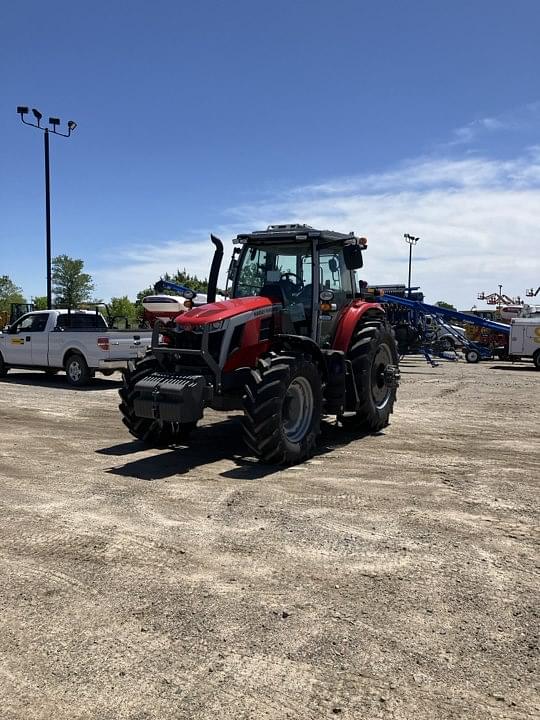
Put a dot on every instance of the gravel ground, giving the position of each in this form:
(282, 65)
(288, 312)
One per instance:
(393, 576)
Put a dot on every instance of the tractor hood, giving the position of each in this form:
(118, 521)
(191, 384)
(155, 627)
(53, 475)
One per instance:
(218, 311)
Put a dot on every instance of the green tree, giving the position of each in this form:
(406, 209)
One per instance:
(40, 302)
(191, 281)
(71, 286)
(123, 307)
(9, 293)
(442, 304)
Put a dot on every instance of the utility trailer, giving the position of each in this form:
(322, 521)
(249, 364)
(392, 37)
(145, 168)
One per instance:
(418, 312)
(525, 339)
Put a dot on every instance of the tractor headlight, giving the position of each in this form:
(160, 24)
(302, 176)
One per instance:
(218, 325)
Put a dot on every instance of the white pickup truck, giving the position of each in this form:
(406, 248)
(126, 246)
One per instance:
(79, 342)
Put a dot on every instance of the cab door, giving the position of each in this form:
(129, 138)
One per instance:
(27, 341)
(335, 290)
(18, 348)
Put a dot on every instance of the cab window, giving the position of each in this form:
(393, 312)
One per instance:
(288, 266)
(31, 323)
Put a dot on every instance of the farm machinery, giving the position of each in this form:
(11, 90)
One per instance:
(424, 328)
(294, 341)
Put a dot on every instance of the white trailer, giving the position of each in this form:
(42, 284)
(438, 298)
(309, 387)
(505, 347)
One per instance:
(524, 339)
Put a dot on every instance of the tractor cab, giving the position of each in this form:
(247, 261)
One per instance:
(309, 272)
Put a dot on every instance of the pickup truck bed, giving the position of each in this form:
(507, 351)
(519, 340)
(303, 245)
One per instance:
(78, 342)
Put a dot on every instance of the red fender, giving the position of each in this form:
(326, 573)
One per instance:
(348, 320)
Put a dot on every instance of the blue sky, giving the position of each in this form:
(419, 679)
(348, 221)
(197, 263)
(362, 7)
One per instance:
(375, 116)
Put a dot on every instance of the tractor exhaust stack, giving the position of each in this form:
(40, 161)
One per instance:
(214, 269)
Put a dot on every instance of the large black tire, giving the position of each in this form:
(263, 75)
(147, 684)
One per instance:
(3, 368)
(374, 358)
(157, 433)
(282, 409)
(77, 371)
(536, 359)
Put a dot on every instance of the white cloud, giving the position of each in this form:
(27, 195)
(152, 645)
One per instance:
(522, 118)
(478, 220)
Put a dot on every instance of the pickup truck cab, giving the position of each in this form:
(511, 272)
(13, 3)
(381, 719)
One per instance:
(77, 341)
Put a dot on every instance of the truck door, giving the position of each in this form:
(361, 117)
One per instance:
(532, 339)
(517, 335)
(39, 340)
(18, 350)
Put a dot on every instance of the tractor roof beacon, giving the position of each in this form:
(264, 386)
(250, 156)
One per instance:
(295, 340)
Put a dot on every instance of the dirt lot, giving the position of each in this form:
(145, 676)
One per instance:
(393, 576)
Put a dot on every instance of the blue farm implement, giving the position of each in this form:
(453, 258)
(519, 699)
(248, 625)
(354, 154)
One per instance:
(426, 329)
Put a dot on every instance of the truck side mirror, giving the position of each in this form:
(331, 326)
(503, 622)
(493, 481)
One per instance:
(352, 255)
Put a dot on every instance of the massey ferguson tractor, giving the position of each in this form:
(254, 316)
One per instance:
(296, 340)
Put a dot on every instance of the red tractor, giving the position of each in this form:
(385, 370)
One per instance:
(295, 341)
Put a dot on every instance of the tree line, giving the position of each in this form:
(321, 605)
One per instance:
(72, 287)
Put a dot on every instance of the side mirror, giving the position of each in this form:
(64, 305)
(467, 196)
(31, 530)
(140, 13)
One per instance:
(232, 269)
(352, 255)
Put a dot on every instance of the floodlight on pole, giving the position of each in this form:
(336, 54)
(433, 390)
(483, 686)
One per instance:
(410, 240)
(54, 123)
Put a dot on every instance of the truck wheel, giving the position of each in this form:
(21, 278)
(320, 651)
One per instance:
(3, 367)
(157, 433)
(374, 359)
(77, 371)
(536, 360)
(282, 409)
(472, 356)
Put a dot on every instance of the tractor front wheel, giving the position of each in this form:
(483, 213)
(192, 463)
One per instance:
(374, 360)
(282, 409)
(156, 433)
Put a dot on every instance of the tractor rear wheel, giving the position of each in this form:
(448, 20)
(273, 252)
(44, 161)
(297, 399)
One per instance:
(374, 359)
(157, 433)
(282, 409)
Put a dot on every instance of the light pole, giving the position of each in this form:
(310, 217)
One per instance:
(411, 240)
(54, 123)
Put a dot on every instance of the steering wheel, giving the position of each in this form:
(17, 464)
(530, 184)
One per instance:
(298, 283)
